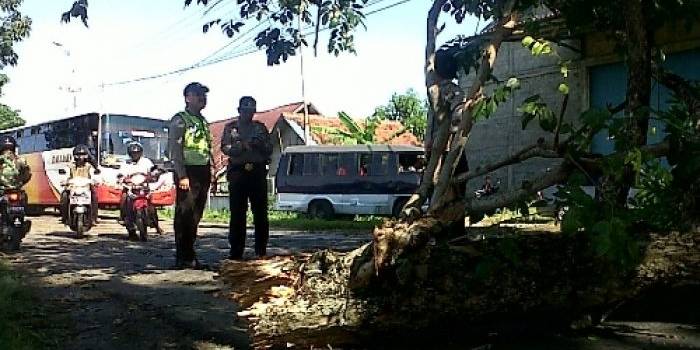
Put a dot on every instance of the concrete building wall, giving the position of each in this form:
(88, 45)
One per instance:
(502, 135)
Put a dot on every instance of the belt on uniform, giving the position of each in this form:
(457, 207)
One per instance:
(246, 167)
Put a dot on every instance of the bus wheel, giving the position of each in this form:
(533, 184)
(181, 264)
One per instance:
(398, 206)
(321, 209)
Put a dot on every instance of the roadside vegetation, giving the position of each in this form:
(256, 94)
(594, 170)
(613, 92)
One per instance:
(25, 323)
(289, 220)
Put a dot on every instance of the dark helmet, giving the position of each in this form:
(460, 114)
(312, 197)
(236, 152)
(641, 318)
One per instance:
(8, 142)
(134, 149)
(81, 153)
(80, 150)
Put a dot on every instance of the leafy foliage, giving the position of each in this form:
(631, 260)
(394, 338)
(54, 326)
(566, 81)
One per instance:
(15, 27)
(356, 133)
(407, 108)
(488, 105)
(281, 38)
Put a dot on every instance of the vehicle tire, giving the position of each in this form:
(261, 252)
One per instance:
(399, 203)
(17, 235)
(141, 224)
(321, 209)
(11, 245)
(79, 225)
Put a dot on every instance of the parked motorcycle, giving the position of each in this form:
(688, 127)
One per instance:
(79, 207)
(138, 205)
(478, 194)
(13, 226)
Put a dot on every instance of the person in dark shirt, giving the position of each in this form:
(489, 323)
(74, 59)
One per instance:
(189, 142)
(248, 145)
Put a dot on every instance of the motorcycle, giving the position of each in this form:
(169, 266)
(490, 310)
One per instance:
(79, 207)
(13, 226)
(138, 204)
(481, 193)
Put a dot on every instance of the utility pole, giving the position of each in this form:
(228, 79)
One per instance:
(69, 88)
(307, 133)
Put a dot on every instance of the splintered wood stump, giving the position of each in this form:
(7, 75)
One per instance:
(415, 281)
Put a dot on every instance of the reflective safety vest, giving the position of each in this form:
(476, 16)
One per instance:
(196, 146)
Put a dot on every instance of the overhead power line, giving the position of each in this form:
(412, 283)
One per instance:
(208, 61)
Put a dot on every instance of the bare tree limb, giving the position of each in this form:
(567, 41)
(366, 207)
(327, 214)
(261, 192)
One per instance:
(564, 104)
(505, 28)
(532, 151)
(318, 28)
(559, 175)
(438, 109)
(680, 87)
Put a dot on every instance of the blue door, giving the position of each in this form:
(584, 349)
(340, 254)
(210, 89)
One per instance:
(608, 85)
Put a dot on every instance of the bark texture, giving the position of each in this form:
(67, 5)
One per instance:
(428, 284)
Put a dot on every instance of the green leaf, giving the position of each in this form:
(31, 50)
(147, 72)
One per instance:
(563, 89)
(532, 98)
(564, 70)
(527, 118)
(527, 41)
(537, 48)
(546, 49)
(602, 242)
(513, 83)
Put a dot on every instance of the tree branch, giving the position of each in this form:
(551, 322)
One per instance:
(532, 151)
(680, 87)
(505, 28)
(559, 175)
(438, 111)
(564, 104)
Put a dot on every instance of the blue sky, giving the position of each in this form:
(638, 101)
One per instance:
(128, 39)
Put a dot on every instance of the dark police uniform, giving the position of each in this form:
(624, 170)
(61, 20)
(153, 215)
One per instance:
(247, 177)
(189, 143)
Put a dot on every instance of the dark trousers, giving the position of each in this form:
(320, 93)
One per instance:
(189, 207)
(65, 205)
(244, 186)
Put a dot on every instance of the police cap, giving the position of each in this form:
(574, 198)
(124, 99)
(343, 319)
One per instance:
(195, 88)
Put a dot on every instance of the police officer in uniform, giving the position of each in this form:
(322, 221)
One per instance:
(189, 143)
(248, 145)
(14, 171)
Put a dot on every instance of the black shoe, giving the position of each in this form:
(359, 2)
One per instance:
(235, 257)
(181, 264)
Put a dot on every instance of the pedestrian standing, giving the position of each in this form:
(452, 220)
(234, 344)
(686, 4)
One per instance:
(248, 145)
(189, 142)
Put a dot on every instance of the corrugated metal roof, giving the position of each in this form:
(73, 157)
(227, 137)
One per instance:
(352, 148)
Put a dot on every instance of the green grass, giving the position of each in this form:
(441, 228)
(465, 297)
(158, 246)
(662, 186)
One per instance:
(289, 221)
(25, 322)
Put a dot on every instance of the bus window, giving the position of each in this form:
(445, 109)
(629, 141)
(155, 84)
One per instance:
(364, 164)
(380, 166)
(296, 164)
(330, 165)
(347, 164)
(311, 164)
(120, 130)
(409, 162)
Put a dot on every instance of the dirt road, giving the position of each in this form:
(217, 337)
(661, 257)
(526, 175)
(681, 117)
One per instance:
(125, 295)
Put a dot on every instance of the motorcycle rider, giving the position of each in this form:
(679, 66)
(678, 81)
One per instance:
(137, 163)
(83, 166)
(14, 171)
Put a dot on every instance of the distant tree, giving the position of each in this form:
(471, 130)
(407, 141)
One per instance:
(407, 108)
(359, 134)
(15, 27)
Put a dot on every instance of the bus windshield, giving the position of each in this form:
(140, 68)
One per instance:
(120, 130)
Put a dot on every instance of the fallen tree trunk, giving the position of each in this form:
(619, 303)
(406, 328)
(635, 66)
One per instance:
(415, 281)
